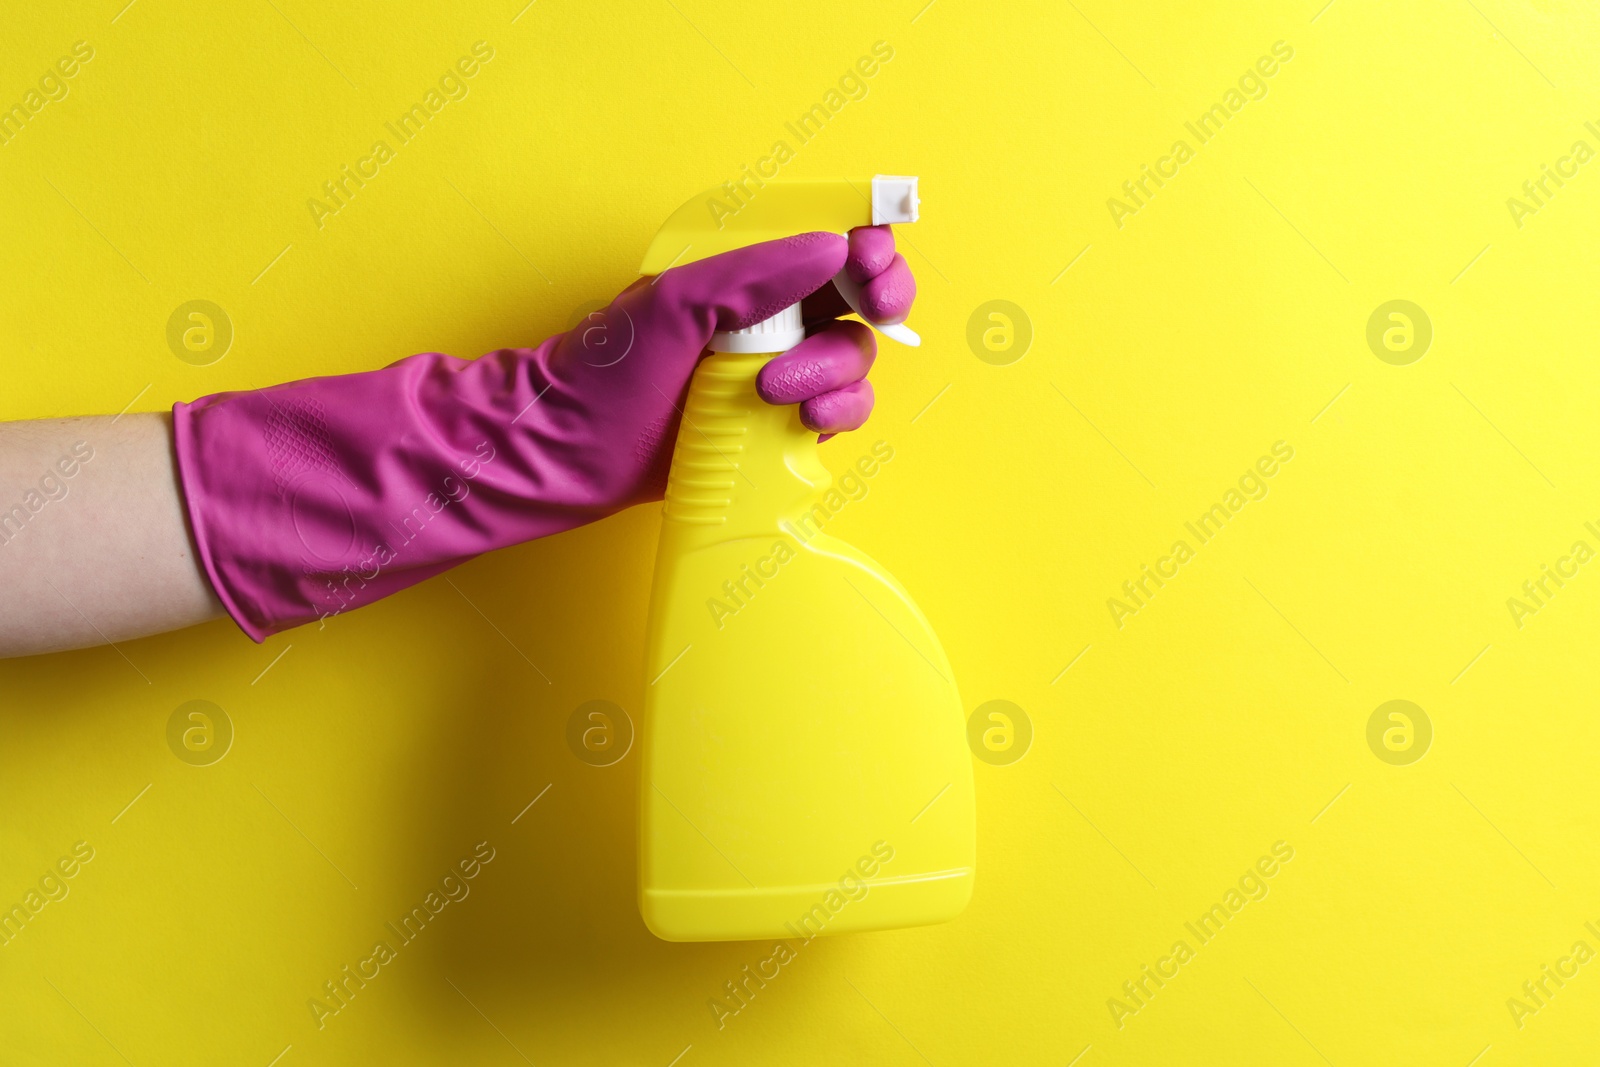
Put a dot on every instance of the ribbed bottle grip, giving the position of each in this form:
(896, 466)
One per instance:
(710, 446)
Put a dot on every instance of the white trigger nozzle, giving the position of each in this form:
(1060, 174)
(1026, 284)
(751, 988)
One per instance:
(851, 292)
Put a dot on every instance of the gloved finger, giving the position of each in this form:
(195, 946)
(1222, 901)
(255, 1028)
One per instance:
(839, 355)
(839, 410)
(871, 252)
(739, 288)
(887, 296)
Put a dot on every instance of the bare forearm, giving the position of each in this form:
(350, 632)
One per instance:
(94, 546)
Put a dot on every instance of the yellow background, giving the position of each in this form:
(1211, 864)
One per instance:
(1229, 714)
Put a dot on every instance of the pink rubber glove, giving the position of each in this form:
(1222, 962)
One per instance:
(315, 497)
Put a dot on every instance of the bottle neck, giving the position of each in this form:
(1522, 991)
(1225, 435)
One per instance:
(778, 333)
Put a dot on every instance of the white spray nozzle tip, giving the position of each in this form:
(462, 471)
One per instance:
(899, 331)
(894, 199)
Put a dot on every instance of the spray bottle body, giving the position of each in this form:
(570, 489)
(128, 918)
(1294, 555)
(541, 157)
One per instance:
(803, 761)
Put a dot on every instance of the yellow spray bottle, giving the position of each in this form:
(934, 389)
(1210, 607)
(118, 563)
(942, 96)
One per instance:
(804, 765)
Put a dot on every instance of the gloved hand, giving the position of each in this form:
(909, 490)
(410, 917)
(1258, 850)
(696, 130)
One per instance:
(826, 374)
(314, 497)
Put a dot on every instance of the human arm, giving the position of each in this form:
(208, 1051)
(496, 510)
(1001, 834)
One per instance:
(93, 543)
(311, 498)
